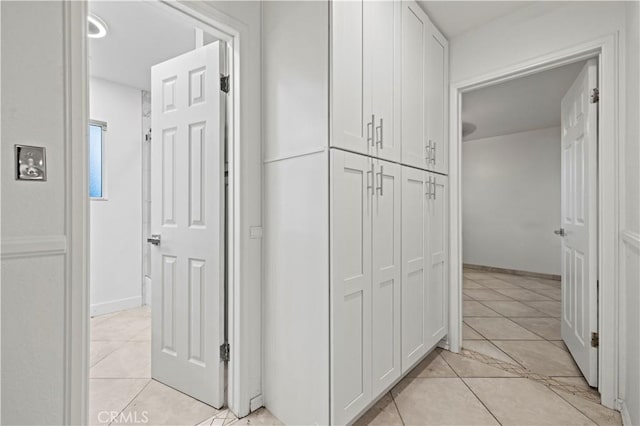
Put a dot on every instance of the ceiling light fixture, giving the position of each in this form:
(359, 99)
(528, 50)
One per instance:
(467, 128)
(96, 28)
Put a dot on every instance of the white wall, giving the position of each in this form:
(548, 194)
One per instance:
(511, 201)
(116, 222)
(630, 224)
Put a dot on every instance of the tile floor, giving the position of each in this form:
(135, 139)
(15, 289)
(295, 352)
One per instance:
(514, 369)
(121, 390)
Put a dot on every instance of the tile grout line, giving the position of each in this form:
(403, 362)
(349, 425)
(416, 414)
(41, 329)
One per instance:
(132, 399)
(397, 408)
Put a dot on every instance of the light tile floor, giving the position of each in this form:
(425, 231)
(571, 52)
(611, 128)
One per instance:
(121, 390)
(514, 369)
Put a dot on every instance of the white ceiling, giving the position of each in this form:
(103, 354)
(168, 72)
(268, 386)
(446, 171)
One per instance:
(519, 105)
(456, 17)
(140, 35)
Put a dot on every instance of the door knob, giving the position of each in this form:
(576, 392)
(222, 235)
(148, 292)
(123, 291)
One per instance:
(154, 239)
(560, 232)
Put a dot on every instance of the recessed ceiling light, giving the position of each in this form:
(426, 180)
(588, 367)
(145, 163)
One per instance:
(96, 28)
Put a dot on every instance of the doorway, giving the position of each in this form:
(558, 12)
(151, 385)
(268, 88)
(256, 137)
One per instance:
(140, 337)
(518, 193)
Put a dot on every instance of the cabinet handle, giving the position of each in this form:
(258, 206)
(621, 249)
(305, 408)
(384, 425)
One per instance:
(433, 157)
(370, 175)
(435, 183)
(379, 135)
(381, 174)
(428, 152)
(370, 130)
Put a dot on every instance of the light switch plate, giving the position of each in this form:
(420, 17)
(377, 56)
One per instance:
(31, 163)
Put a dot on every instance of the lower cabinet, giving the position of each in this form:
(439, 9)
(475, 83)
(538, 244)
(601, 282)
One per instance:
(424, 263)
(388, 274)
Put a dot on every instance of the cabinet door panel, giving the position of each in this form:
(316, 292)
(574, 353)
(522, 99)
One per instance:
(350, 108)
(437, 88)
(382, 37)
(437, 296)
(386, 276)
(351, 209)
(414, 266)
(414, 78)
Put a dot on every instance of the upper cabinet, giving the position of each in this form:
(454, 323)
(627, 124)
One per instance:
(365, 77)
(424, 62)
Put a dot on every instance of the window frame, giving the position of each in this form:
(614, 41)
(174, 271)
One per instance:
(103, 126)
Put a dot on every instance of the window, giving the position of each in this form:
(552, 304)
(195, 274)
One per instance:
(96, 159)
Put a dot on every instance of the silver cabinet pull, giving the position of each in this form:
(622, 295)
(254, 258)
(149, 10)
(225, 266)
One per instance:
(427, 148)
(435, 183)
(433, 154)
(381, 175)
(370, 175)
(154, 239)
(380, 135)
(370, 130)
(561, 232)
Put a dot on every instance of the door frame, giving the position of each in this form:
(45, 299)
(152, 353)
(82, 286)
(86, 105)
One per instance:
(76, 289)
(606, 51)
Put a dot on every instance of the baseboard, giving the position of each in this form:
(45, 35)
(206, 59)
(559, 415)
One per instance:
(115, 305)
(626, 418)
(512, 271)
(256, 403)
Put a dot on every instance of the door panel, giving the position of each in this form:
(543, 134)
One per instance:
(437, 297)
(382, 25)
(386, 275)
(437, 94)
(414, 266)
(187, 189)
(350, 96)
(414, 79)
(352, 190)
(579, 221)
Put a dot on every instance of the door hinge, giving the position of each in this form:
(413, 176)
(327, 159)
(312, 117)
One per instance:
(225, 352)
(224, 83)
(595, 339)
(595, 95)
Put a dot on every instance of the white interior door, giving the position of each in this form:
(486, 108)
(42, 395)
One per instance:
(187, 211)
(352, 189)
(385, 292)
(579, 221)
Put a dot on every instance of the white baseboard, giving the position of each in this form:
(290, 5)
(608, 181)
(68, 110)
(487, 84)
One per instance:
(115, 305)
(626, 418)
(256, 403)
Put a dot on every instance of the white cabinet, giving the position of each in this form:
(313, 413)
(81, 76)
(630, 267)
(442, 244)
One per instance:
(424, 91)
(424, 259)
(365, 103)
(365, 280)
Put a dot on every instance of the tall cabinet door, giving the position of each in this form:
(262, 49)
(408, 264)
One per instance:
(437, 259)
(352, 126)
(437, 95)
(382, 67)
(352, 191)
(415, 28)
(415, 268)
(385, 292)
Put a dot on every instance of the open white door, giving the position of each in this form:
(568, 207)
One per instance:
(580, 221)
(187, 214)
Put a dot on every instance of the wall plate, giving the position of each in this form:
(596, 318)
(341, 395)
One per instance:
(30, 163)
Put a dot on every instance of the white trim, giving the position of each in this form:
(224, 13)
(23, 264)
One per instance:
(115, 305)
(76, 286)
(48, 245)
(606, 49)
(631, 238)
(626, 417)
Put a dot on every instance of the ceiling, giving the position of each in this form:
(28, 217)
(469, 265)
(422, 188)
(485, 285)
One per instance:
(456, 17)
(140, 35)
(519, 105)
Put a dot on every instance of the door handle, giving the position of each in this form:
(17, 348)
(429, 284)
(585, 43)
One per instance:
(433, 154)
(381, 174)
(560, 232)
(371, 130)
(372, 185)
(154, 239)
(428, 148)
(379, 135)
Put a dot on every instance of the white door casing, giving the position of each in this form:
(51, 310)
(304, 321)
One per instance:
(352, 190)
(187, 154)
(579, 221)
(386, 361)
